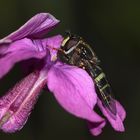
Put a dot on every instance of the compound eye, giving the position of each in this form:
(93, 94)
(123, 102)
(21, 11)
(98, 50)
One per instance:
(70, 43)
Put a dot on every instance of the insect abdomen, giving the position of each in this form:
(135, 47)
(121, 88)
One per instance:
(103, 87)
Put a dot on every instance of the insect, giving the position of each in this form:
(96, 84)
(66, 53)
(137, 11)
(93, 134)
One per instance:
(75, 51)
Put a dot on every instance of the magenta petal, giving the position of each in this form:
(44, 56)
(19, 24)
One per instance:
(117, 123)
(16, 105)
(4, 45)
(74, 90)
(6, 41)
(96, 128)
(53, 44)
(18, 51)
(36, 27)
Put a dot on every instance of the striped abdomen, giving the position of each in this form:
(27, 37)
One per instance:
(103, 88)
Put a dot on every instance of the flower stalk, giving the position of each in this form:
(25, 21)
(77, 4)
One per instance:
(17, 104)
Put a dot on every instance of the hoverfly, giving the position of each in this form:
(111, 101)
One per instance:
(75, 51)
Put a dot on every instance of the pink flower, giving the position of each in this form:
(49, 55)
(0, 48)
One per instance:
(72, 87)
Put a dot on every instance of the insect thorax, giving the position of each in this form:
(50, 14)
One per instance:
(76, 52)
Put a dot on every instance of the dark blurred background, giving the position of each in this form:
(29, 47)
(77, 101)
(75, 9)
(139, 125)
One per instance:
(112, 27)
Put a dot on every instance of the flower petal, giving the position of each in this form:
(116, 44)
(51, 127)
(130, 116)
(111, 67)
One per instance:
(74, 90)
(117, 122)
(96, 128)
(4, 45)
(36, 27)
(18, 51)
(16, 105)
(53, 44)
